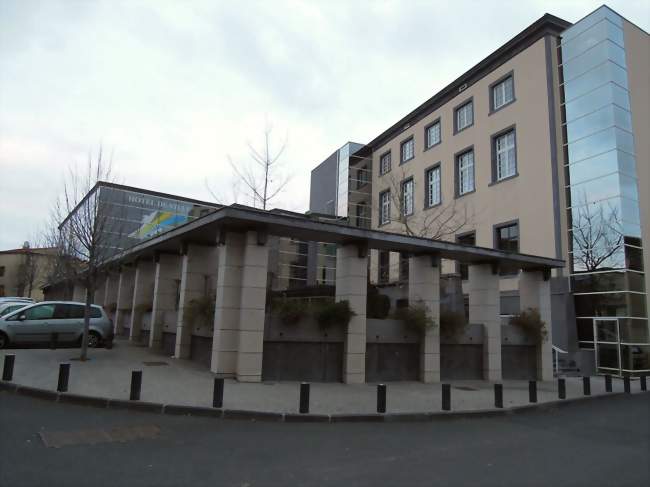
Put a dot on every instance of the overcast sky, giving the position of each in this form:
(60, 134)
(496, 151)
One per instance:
(175, 88)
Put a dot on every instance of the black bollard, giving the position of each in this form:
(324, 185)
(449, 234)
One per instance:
(586, 386)
(498, 395)
(532, 391)
(8, 370)
(608, 383)
(136, 384)
(54, 338)
(217, 393)
(561, 388)
(446, 397)
(64, 377)
(642, 381)
(304, 398)
(381, 398)
(626, 384)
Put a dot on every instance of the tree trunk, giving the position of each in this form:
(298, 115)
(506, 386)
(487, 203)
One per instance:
(84, 337)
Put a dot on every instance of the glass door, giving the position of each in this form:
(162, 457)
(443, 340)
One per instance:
(607, 346)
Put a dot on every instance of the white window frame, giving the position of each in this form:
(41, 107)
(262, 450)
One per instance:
(384, 163)
(505, 149)
(384, 207)
(407, 148)
(408, 194)
(465, 116)
(434, 196)
(465, 162)
(501, 90)
(429, 131)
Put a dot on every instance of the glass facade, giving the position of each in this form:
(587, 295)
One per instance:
(605, 246)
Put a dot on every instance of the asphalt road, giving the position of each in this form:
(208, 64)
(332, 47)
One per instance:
(592, 443)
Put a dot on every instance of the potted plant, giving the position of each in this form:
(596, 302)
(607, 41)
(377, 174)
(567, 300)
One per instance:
(531, 323)
(329, 314)
(415, 316)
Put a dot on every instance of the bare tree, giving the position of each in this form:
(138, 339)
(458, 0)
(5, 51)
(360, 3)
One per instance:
(28, 272)
(84, 230)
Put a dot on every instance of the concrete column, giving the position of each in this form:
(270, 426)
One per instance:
(167, 272)
(110, 289)
(124, 299)
(424, 287)
(227, 306)
(198, 265)
(484, 307)
(535, 292)
(142, 295)
(352, 286)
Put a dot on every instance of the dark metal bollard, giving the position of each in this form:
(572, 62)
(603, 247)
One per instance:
(381, 398)
(608, 383)
(498, 395)
(8, 370)
(642, 381)
(626, 384)
(561, 388)
(54, 339)
(532, 391)
(586, 386)
(446, 397)
(64, 378)
(304, 398)
(136, 385)
(217, 393)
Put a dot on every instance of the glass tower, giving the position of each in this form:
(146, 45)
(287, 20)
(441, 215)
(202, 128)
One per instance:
(605, 246)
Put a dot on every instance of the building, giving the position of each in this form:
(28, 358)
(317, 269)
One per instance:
(541, 148)
(23, 271)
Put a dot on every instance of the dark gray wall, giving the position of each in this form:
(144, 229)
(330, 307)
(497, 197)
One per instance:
(322, 192)
(392, 362)
(303, 361)
(201, 350)
(168, 343)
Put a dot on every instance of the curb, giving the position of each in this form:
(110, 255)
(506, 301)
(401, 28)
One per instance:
(267, 416)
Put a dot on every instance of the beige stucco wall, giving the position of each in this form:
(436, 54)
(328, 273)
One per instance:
(13, 262)
(637, 52)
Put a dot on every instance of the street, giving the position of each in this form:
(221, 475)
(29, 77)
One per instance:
(593, 443)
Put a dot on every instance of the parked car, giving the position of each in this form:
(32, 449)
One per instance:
(36, 323)
(7, 307)
(7, 299)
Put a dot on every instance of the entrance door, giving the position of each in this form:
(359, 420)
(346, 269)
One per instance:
(607, 345)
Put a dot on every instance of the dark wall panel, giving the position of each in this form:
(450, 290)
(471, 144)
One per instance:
(303, 361)
(201, 350)
(168, 343)
(461, 362)
(519, 362)
(392, 362)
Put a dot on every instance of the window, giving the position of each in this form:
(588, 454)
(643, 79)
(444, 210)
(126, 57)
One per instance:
(384, 207)
(2, 270)
(362, 215)
(432, 134)
(41, 312)
(465, 172)
(432, 178)
(467, 239)
(403, 266)
(384, 266)
(503, 93)
(384, 163)
(2, 291)
(362, 176)
(507, 239)
(408, 150)
(407, 197)
(464, 116)
(505, 155)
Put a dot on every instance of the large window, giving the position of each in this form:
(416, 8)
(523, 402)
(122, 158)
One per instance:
(384, 163)
(432, 134)
(384, 207)
(467, 239)
(507, 239)
(407, 197)
(503, 93)
(407, 150)
(464, 116)
(465, 172)
(505, 154)
(41, 312)
(2, 270)
(384, 266)
(432, 178)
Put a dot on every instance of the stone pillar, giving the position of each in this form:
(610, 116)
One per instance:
(484, 307)
(424, 287)
(124, 299)
(142, 295)
(535, 292)
(352, 286)
(198, 265)
(167, 272)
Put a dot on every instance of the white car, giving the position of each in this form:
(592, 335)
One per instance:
(7, 307)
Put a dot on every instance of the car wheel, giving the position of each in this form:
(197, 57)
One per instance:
(4, 341)
(93, 339)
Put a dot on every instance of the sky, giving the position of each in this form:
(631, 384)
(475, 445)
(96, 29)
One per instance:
(173, 90)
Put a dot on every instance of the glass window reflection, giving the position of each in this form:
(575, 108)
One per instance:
(594, 78)
(598, 54)
(609, 93)
(605, 117)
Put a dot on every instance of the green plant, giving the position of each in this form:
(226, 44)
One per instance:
(415, 316)
(290, 311)
(452, 323)
(378, 305)
(328, 314)
(531, 322)
(200, 311)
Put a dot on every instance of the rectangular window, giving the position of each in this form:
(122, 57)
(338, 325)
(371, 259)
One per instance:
(2, 270)
(465, 172)
(384, 266)
(432, 135)
(505, 155)
(407, 197)
(503, 93)
(433, 187)
(464, 116)
(468, 239)
(362, 177)
(408, 150)
(403, 266)
(507, 239)
(384, 207)
(384, 163)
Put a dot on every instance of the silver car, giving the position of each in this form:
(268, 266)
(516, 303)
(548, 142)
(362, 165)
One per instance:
(62, 321)
(9, 306)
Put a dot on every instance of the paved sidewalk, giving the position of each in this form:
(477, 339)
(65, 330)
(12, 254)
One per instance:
(183, 382)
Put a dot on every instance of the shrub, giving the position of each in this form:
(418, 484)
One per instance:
(378, 305)
(200, 311)
(290, 311)
(416, 317)
(452, 323)
(531, 322)
(328, 314)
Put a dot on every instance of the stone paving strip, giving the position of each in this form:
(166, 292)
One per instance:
(121, 434)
